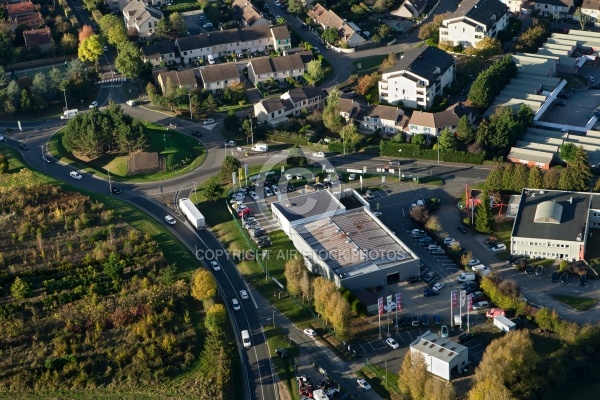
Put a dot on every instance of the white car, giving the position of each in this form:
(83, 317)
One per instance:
(377, 214)
(392, 343)
(298, 176)
(235, 304)
(363, 384)
(319, 154)
(289, 177)
(75, 175)
(449, 241)
(310, 332)
(208, 121)
(438, 286)
(207, 25)
(254, 196)
(93, 104)
(130, 103)
(474, 261)
(481, 305)
(215, 265)
(591, 78)
(352, 177)
(268, 192)
(211, 59)
(170, 220)
(275, 190)
(444, 331)
(244, 295)
(1, 138)
(105, 48)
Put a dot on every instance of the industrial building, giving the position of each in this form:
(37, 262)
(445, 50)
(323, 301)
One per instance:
(442, 356)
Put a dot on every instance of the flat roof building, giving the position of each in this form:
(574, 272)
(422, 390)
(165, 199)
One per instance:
(443, 357)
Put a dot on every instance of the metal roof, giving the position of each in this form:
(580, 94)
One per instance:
(308, 205)
(438, 347)
(548, 212)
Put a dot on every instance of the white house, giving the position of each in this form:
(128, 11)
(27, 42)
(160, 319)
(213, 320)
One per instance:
(162, 52)
(142, 18)
(179, 79)
(348, 32)
(591, 8)
(426, 123)
(473, 20)
(514, 6)
(246, 15)
(233, 41)
(390, 120)
(443, 357)
(217, 78)
(277, 68)
(421, 74)
(411, 9)
(554, 8)
(274, 111)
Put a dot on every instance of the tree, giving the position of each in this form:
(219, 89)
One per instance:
(129, 60)
(3, 77)
(577, 175)
(389, 62)
(507, 177)
(235, 93)
(330, 35)
(296, 157)
(19, 289)
(213, 190)
(39, 85)
(465, 258)
(293, 275)
(6, 48)
(315, 70)
(3, 164)
(521, 177)
(582, 17)
(536, 178)
(350, 137)
(485, 48)
(85, 32)
(25, 102)
(331, 115)
(494, 178)
(365, 83)
(419, 140)
(384, 31)
(68, 44)
(419, 214)
(216, 317)
(231, 122)
(91, 49)
(436, 389)
(413, 376)
(210, 104)
(382, 6)
(114, 30)
(484, 220)
(446, 140)
(489, 390)
(433, 224)
(177, 22)
(229, 166)
(551, 178)
(464, 130)
(295, 7)
(203, 285)
(509, 362)
(305, 286)
(567, 152)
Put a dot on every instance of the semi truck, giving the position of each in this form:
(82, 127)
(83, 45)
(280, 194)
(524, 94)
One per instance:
(192, 213)
(504, 324)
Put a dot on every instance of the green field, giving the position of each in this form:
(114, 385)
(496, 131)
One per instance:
(578, 303)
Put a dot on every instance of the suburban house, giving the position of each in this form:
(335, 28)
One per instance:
(591, 8)
(217, 78)
(179, 79)
(554, 8)
(277, 68)
(421, 74)
(328, 19)
(275, 111)
(159, 53)
(23, 14)
(142, 18)
(233, 41)
(473, 20)
(426, 123)
(514, 6)
(246, 15)
(411, 9)
(390, 120)
(40, 38)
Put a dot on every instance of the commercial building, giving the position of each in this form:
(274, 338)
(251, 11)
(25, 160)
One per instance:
(554, 224)
(443, 357)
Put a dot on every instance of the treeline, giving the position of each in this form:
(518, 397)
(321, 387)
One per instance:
(490, 82)
(181, 98)
(95, 133)
(25, 95)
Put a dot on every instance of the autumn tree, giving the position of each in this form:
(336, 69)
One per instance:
(216, 317)
(433, 224)
(419, 214)
(389, 61)
(293, 275)
(203, 285)
(91, 49)
(551, 178)
(365, 84)
(465, 258)
(85, 32)
(428, 29)
(305, 286)
(413, 376)
(485, 48)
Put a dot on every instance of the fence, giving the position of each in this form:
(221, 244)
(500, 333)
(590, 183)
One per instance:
(27, 65)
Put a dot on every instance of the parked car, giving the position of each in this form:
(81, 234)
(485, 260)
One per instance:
(207, 25)
(437, 319)
(474, 261)
(462, 229)
(539, 271)
(481, 305)
(429, 276)
(93, 104)
(392, 343)
(583, 280)
(413, 279)
(529, 270)
(208, 121)
(310, 332)
(465, 337)
(554, 278)
(429, 292)
(415, 321)
(363, 384)
(319, 154)
(268, 192)
(449, 240)
(438, 286)
(438, 252)
(281, 352)
(425, 320)
(444, 331)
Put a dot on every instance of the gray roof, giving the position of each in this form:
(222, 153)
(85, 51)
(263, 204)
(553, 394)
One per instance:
(219, 73)
(158, 48)
(307, 205)
(538, 205)
(438, 347)
(558, 3)
(305, 93)
(423, 62)
(382, 112)
(222, 37)
(273, 104)
(481, 11)
(265, 65)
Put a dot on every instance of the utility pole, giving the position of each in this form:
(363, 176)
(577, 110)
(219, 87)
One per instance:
(251, 132)
(65, 93)
(109, 183)
(190, 98)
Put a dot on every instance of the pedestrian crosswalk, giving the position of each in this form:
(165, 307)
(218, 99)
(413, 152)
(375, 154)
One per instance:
(112, 82)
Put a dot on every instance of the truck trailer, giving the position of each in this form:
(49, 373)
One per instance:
(504, 324)
(192, 213)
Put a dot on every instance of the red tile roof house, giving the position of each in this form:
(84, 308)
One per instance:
(40, 38)
(24, 14)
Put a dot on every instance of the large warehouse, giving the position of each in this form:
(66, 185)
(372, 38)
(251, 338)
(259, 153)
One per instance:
(353, 248)
(442, 356)
(554, 224)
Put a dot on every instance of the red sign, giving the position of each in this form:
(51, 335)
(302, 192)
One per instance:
(380, 305)
(470, 303)
(398, 302)
(454, 298)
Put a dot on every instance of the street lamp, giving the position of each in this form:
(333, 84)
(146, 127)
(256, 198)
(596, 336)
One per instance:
(109, 183)
(190, 98)
(65, 93)
(400, 167)
(438, 146)
(165, 140)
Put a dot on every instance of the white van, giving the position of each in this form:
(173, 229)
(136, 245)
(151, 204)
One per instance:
(69, 114)
(466, 277)
(246, 339)
(261, 148)
(211, 59)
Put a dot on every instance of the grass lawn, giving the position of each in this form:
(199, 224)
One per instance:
(578, 303)
(186, 150)
(368, 63)
(183, 5)
(376, 377)
(284, 367)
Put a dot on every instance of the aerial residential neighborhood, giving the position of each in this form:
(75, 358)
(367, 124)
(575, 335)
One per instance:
(285, 199)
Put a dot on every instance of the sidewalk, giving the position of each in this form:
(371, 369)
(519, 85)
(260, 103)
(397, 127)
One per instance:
(314, 351)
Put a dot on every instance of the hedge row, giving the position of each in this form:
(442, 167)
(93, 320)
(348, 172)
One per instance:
(286, 139)
(390, 149)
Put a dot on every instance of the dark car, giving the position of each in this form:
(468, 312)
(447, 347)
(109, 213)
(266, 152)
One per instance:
(564, 95)
(437, 319)
(425, 239)
(394, 162)
(404, 320)
(462, 229)
(291, 188)
(23, 146)
(529, 270)
(116, 190)
(48, 159)
(539, 271)
(429, 277)
(304, 27)
(430, 292)
(554, 278)
(465, 337)
(413, 279)
(263, 244)
(559, 103)
(565, 278)
(582, 280)
(425, 320)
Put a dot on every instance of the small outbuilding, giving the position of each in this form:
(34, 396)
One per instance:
(443, 357)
